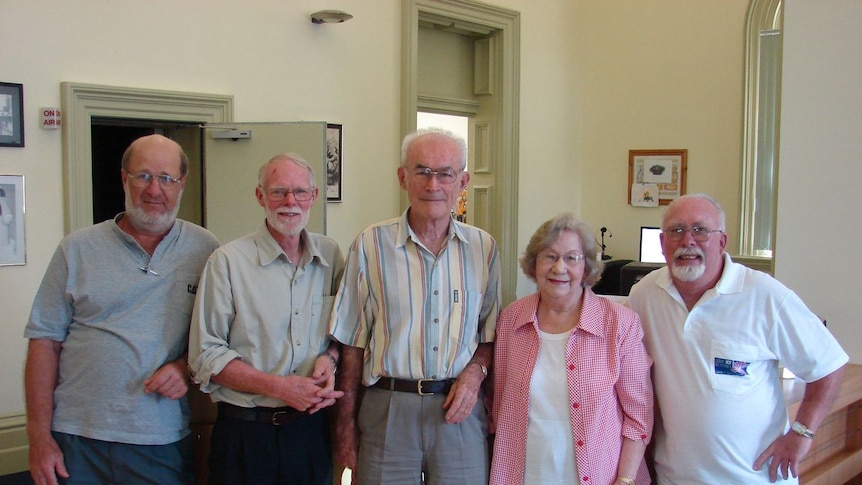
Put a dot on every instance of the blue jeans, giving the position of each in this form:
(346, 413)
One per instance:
(92, 461)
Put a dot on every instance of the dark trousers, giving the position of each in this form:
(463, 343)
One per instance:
(247, 452)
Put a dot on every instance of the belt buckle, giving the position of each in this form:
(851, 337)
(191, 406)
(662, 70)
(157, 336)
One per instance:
(276, 421)
(419, 387)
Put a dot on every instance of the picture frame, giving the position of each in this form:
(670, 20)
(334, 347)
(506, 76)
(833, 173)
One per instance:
(334, 162)
(11, 115)
(664, 170)
(13, 249)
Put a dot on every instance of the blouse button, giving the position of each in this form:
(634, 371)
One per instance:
(586, 479)
(576, 405)
(643, 436)
(571, 366)
(580, 442)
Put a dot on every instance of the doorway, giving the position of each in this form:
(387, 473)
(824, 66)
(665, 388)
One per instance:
(110, 137)
(487, 94)
(82, 103)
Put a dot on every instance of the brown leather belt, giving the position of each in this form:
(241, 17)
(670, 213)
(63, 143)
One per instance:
(423, 387)
(273, 416)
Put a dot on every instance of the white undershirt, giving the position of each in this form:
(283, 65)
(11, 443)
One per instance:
(550, 447)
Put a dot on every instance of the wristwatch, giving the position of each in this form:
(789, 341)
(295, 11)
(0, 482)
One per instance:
(801, 430)
(481, 366)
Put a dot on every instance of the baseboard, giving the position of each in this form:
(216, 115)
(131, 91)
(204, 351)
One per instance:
(13, 444)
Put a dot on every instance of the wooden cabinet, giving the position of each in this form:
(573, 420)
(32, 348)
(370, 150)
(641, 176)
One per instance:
(836, 454)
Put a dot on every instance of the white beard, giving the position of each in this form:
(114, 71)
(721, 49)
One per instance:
(152, 223)
(286, 228)
(688, 272)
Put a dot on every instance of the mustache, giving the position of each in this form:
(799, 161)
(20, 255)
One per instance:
(695, 251)
(289, 211)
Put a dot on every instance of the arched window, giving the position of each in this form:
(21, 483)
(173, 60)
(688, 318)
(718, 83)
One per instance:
(761, 128)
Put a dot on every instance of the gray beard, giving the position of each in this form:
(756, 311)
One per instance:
(284, 228)
(157, 224)
(687, 272)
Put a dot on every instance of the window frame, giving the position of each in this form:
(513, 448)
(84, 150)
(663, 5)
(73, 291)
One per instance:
(759, 182)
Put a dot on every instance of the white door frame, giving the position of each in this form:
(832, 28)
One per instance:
(81, 102)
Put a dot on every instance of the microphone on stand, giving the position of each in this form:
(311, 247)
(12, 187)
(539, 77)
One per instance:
(604, 230)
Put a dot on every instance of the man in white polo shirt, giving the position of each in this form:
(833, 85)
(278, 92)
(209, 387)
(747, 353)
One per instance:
(716, 331)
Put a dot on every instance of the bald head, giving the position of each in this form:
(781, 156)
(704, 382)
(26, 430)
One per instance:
(156, 141)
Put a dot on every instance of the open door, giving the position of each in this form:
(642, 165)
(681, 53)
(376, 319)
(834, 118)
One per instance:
(230, 170)
(230, 210)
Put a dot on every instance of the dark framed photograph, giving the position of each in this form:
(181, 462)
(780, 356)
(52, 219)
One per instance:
(11, 115)
(656, 177)
(13, 250)
(334, 159)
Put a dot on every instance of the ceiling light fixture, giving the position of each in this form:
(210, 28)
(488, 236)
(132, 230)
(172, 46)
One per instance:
(330, 17)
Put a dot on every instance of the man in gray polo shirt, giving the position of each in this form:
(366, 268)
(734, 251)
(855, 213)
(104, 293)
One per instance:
(105, 379)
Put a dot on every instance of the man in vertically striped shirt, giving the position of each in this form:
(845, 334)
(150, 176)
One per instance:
(416, 311)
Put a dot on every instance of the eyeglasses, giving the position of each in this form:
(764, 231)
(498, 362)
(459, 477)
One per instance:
(445, 176)
(144, 180)
(278, 195)
(698, 233)
(550, 258)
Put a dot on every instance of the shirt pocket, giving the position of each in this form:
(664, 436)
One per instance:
(733, 367)
(465, 309)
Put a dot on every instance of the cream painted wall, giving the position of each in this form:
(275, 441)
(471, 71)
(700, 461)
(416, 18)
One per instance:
(551, 116)
(819, 225)
(660, 75)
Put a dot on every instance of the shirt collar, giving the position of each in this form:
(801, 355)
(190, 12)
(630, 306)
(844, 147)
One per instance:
(171, 235)
(592, 311)
(731, 280)
(405, 232)
(732, 277)
(268, 250)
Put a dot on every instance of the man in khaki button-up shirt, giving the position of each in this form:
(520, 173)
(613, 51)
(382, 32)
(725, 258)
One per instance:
(258, 340)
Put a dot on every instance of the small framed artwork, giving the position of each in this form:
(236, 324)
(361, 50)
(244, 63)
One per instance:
(656, 176)
(334, 160)
(11, 115)
(13, 250)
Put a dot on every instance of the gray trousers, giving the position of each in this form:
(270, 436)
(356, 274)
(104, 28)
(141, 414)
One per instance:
(405, 434)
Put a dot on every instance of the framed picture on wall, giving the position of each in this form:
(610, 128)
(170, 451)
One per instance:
(334, 160)
(13, 250)
(11, 115)
(664, 169)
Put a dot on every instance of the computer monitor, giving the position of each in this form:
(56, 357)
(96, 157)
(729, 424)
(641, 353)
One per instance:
(650, 247)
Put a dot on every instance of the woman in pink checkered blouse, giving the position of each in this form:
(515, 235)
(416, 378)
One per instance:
(573, 399)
